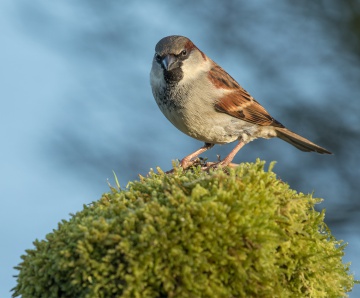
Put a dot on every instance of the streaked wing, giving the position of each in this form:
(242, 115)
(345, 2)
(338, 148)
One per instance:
(238, 102)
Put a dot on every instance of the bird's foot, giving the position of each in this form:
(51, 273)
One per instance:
(187, 163)
(219, 164)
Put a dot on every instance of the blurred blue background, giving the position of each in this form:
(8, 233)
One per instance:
(76, 103)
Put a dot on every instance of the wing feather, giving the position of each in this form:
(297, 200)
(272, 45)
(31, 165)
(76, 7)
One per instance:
(238, 102)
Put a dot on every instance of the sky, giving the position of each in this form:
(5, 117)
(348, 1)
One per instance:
(65, 130)
(35, 196)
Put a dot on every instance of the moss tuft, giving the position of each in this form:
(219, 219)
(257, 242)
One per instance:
(191, 234)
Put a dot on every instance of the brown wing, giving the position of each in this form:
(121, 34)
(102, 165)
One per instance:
(238, 102)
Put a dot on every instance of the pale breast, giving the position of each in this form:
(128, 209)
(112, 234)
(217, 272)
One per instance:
(190, 107)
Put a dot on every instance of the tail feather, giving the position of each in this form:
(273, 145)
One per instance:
(299, 141)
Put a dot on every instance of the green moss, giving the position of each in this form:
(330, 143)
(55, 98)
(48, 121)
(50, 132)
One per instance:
(191, 234)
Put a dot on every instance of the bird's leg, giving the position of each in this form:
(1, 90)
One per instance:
(228, 159)
(187, 160)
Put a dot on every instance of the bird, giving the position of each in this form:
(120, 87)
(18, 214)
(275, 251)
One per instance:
(203, 101)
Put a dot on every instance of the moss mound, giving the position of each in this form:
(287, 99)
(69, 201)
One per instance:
(191, 234)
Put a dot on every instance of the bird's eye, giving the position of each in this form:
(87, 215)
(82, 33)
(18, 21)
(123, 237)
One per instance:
(157, 57)
(184, 52)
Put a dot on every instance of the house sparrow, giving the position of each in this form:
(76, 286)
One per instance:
(206, 103)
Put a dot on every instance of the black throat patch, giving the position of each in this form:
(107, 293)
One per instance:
(173, 76)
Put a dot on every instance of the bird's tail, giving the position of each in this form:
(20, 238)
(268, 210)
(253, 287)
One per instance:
(298, 141)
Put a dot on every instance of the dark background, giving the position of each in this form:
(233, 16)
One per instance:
(76, 102)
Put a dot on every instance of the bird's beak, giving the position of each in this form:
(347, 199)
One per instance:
(168, 62)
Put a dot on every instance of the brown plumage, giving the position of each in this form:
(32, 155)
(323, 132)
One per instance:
(240, 104)
(202, 100)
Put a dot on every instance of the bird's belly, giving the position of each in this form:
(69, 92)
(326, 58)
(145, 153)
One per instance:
(193, 113)
(205, 127)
